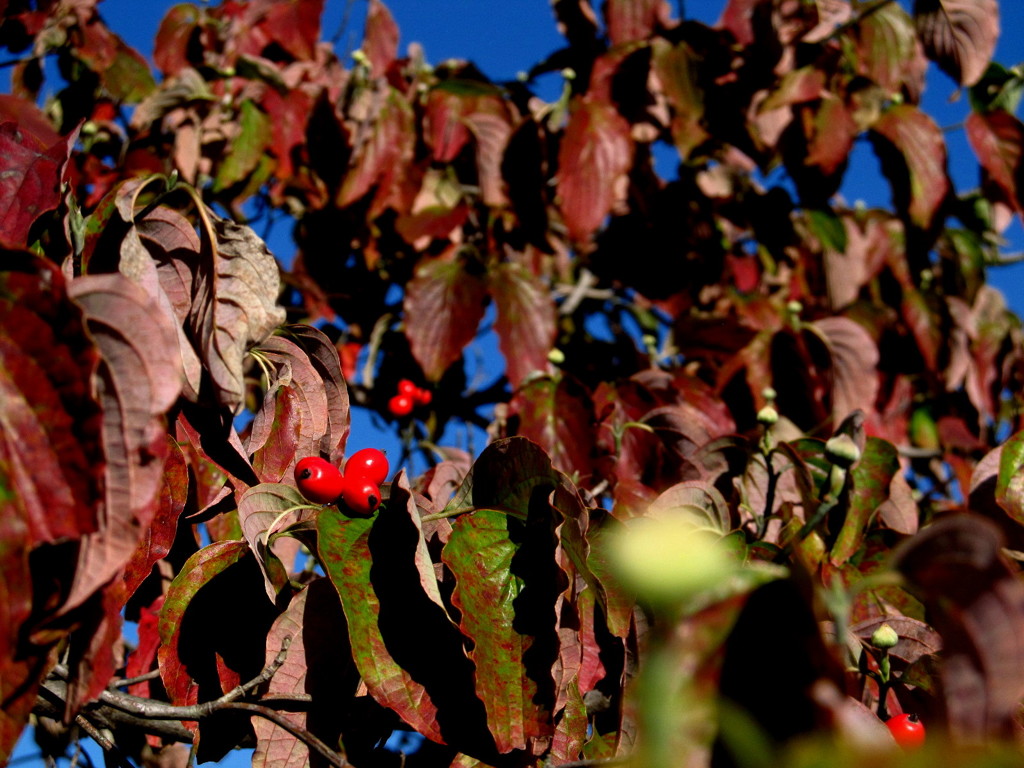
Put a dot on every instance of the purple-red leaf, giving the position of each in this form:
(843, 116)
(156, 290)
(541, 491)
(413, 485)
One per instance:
(555, 413)
(594, 157)
(526, 320)
(259, 510)
(629, 20)
(959, 35)
(380, 39)
(444, 304)
(170, 50)
(997, 139)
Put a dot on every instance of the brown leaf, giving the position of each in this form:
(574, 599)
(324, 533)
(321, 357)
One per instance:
(137, 380)
(976, 602)
(594, 157)
(326, 361)
(444, 304)
(959, 35)
(556, 414)
(235, 302)
(855, 383)
(629, 20)
(677, 70)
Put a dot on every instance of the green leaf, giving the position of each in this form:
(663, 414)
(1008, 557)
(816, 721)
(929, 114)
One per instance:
(247, 147)
(1010, 482)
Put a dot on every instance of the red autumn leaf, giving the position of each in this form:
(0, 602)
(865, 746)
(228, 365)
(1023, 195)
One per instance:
(737, 18)
(35, 159)
(830, 130)
(854, 373)
(997, 138)
(526, 320)
(380, 38)
(137, 380)
(913, 154)
(170, 51)
(959, 35)
(382, 155)
(594, 157)
(555, 414)
(444, 304)
(143, 658)
(629, 20)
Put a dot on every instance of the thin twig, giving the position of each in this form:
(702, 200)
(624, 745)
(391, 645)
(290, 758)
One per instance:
(127, 681)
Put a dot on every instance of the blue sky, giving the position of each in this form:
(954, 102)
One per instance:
(505, 36)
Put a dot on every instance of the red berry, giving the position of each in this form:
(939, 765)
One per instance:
(422, 396)
(318, 480)
(406, 387)
(400, 405)
(907, 730)
(360, 495)
(369, 463)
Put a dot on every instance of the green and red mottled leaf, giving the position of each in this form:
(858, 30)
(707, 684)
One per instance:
(1010, 480)
(872, 477)
(35, 159)
(913, 154)
(958, 35)
(137, 380)
(259, 508)
(344, 551)
(444, 304)
(247, 147)
(997, 139)
(593, 159)
(830, 130)
(888, 51)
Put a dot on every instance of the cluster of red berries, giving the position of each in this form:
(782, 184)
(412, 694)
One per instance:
(358, 487)
(409, 396)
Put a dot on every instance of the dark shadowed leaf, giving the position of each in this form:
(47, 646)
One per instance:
(595, 154)
(976, 602)
(317, 664)
(959, 35)
(137, 381)
(914, 161)
(444, 304)
(997, 138)
(35, 158)
(235, 302)
(526, 320)
(677, 68)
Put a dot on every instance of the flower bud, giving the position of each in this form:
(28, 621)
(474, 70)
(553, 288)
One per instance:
(884, 638)
(767, 416)
(842, 451)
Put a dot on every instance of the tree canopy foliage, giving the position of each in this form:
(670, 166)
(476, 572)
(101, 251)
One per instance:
(819, 399)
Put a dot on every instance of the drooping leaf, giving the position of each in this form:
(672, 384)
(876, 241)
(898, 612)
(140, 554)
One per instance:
(317, 664)
(234, 304)
(137, 380)
(259, 508)
(959, 35)
(381, 157)
(913, 154)
(594, 156)
(170, 50)
(555, 413)
(344, 550)
(976, 602)
(997, 138)
(677, 68)
(444, 304)
(1010, 480)
(526, 320)
(326, 360)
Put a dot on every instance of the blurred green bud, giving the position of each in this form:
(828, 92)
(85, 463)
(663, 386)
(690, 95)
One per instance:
(794, 307)
(668, 559)
(884, 638)
(769, 394)
(842, 451)
(767, 416)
